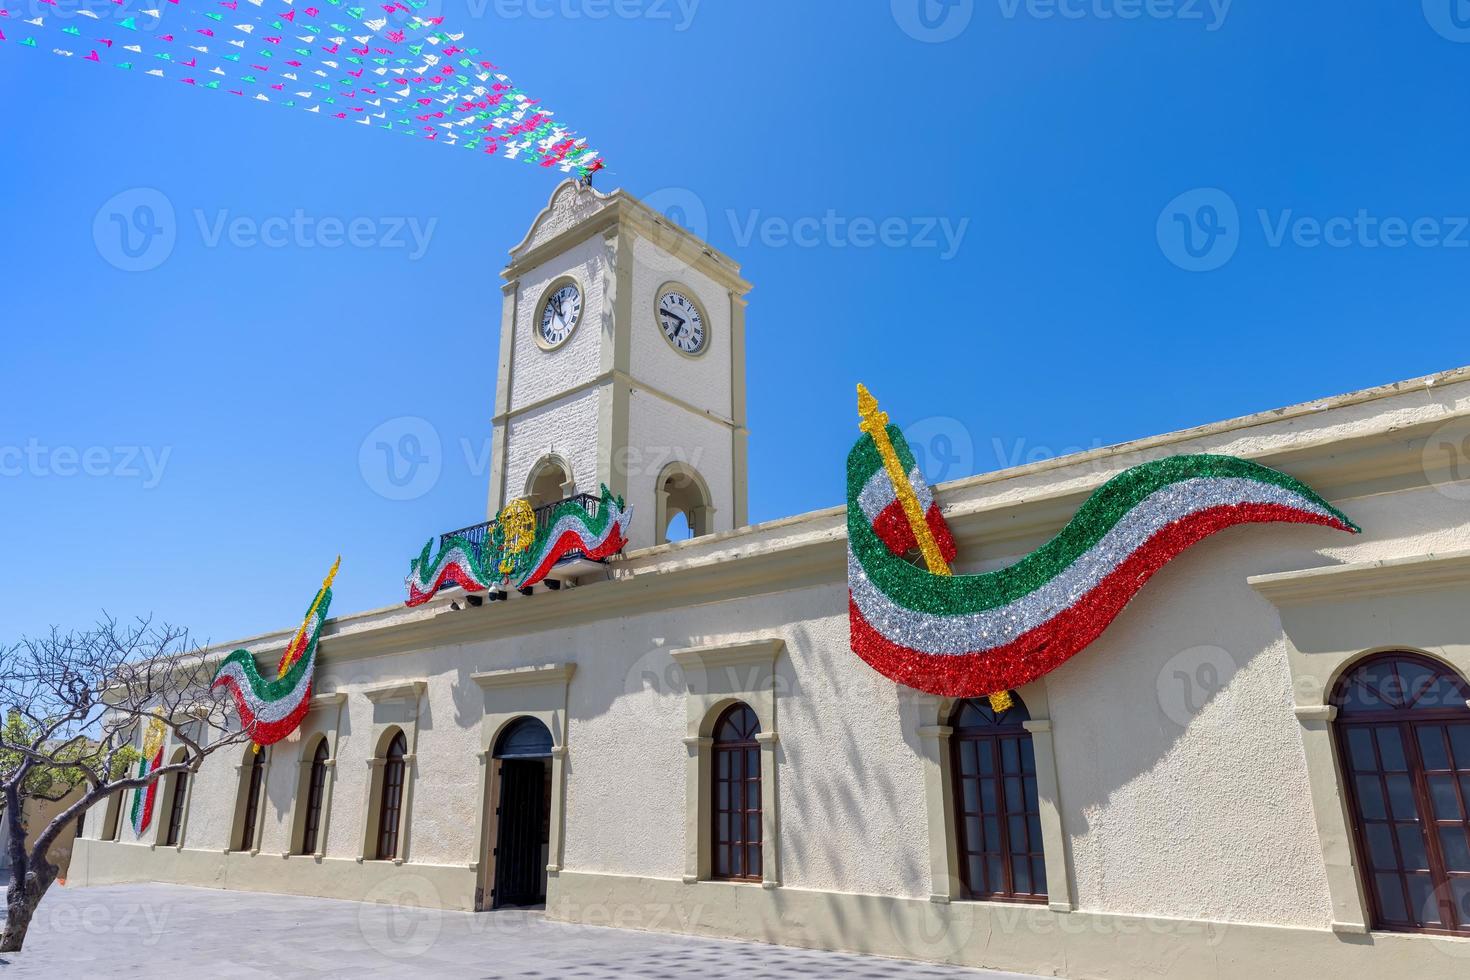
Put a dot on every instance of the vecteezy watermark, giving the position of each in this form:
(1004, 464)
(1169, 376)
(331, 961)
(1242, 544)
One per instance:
(678, 13)
(933, 21)
(943, 448)
(143, 922)
(1449, 18)
(1210, 13)
(128, 14)
(137, 230)
(832, 230)
(401, 917)
(302, 230)
(1446, 459)
(33, 459)
(1200, 230)
(402, 458)
(1190, 679)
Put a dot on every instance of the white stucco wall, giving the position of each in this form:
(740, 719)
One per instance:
(567, 427)
(538, 373)
(702, 381)
(660, 432)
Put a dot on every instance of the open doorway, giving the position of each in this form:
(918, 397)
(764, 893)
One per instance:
(523, 815)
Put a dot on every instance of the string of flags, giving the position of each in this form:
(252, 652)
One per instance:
(387, 67)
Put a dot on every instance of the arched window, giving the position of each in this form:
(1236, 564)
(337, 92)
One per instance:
(1403, 731)
(550, 481)
(316, 786)
(178, 795)
(683, 508)
(997, 816)
(252, 801)
(737, 795)
(391, 805)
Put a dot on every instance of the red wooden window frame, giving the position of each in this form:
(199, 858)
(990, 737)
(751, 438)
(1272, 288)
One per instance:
(997, 814)
(316, 785)
(252, 801)
(736, 834)
(174, 837)
(1403, 741)
(391, 802)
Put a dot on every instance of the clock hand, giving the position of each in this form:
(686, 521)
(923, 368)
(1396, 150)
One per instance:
(673, 316)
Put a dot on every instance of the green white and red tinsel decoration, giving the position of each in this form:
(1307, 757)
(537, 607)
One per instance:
(144, 798)
(270, 710)
(500, 562)
(978, 635)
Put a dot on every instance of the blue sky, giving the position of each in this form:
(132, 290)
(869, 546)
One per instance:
(184, 441)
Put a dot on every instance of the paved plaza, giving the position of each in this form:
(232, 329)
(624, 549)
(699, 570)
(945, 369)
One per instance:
(169, 930)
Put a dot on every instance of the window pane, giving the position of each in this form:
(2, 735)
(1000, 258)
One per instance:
(1432, 747)
(1030, 798)
(1023, 877)
(1038, 876)
(1446, 800)
(1010, 755)
(987, 796)
(1460, 741)
(1456, 851)
(1015, 799)
(1033, 824)
(1460, 892)
(1411, 846)
(992, 834)
(1391, 750)
(977, 874)
(753, 794)
(1017, 830)
(1401, 797)
(1381, 854)
(1360, 749)
(724, 764)
(753, 861)
(967, 758)
(987, 758)
(723, 800)
(972, 796)
(973, 839)
(722, 862)
(752, 764)
(753, 828)
(997, 874)
(1423, 903)
(1028, 756)
(1391, 898)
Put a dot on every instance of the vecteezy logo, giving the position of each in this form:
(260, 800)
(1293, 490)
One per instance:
(933, 21)
(1450, 18)
(1199, 230)
(943, 448)
(402, 458)
(135, 231)
(680, 208)
(1191, 679)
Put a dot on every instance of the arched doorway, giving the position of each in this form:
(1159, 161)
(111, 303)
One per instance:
(523, 814)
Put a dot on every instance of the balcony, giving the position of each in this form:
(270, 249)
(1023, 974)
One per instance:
(569, 566)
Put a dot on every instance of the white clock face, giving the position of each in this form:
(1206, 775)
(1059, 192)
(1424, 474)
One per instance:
(560, 315)
(682, 323)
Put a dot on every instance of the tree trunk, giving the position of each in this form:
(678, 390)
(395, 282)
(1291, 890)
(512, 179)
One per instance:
(21, 900)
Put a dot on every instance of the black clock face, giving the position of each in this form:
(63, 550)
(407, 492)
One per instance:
(682, 323)
(559, 317)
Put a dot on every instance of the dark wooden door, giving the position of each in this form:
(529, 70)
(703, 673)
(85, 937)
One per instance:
(520, 861)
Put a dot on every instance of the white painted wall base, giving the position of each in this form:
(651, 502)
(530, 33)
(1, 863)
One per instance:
(1029, 938)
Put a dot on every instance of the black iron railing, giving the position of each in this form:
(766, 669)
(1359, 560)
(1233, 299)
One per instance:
(477, 536)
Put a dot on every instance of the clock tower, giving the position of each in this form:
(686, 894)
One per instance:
(622, 362)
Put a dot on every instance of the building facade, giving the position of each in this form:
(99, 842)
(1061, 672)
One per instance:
(1263, 766)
